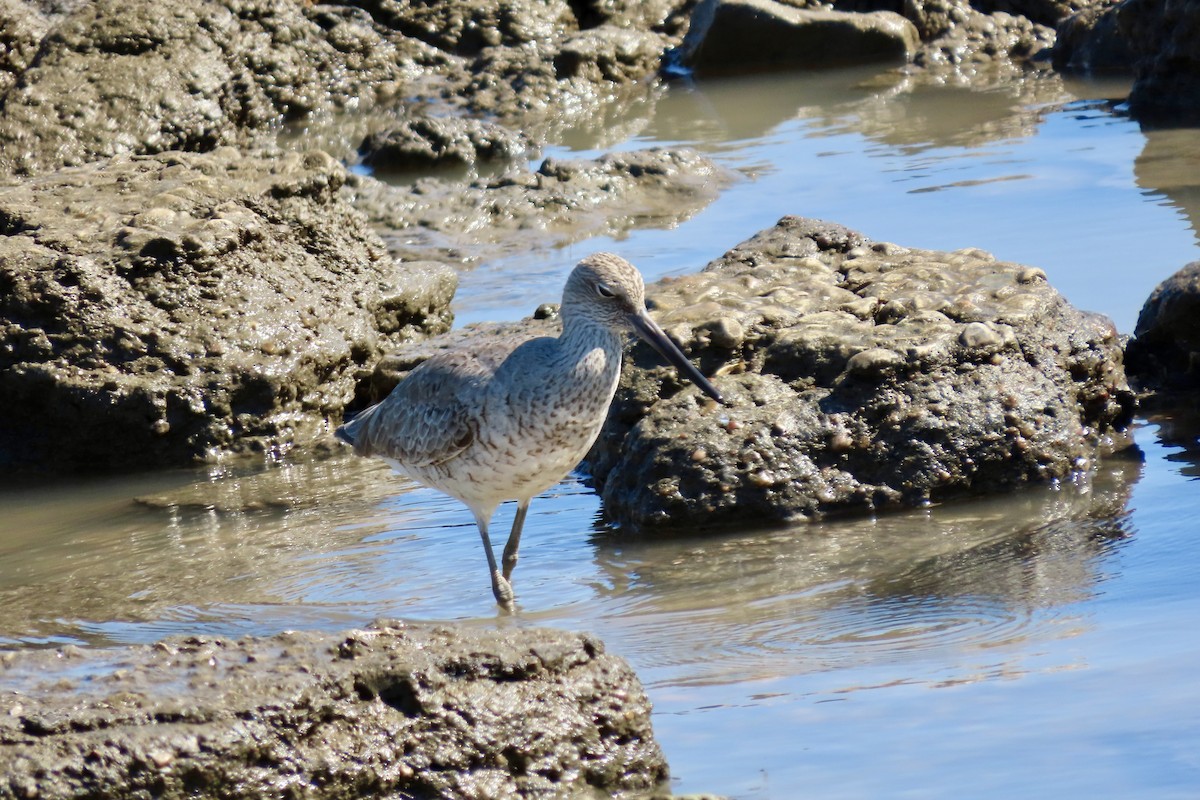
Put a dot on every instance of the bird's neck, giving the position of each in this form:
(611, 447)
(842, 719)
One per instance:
(581, 338)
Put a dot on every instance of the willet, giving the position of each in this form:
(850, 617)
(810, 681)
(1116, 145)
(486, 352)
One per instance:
(508, 420)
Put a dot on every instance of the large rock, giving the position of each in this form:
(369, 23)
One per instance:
(163, 309)
(1158, 40)
(139, 76)
(727, 36)
(391, 711)
(859, 377)
(1165, 350)
(1091, 41)
(1165, 34)
(136, 76)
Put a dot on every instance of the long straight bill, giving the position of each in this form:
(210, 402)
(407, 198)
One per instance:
(648, 329)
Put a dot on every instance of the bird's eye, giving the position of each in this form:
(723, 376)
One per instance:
(604, 291)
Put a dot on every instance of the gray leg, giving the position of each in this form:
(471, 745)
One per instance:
(500, 587)
(514, 539)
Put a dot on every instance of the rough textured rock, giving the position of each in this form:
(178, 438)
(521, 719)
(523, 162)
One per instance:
(728, 36)
(159, 309)
(1158, 40)
(859, 376)
(1043, 12)
(1165, 350)
(138, 76)
(553, 75)
(425, 142)
(1091, 41)
(22, 27)
(562, 201)
(963, 40)
(387, 711)
(1165, 35)
(468, 28)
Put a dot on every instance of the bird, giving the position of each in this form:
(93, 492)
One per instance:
(507, 420)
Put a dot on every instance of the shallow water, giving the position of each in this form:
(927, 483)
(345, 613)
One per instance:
(1036, 644)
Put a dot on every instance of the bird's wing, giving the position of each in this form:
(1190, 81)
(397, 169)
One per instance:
(431, 416)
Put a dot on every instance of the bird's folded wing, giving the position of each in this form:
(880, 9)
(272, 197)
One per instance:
(431, 416)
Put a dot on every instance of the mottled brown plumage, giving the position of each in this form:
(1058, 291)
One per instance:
(508, 420)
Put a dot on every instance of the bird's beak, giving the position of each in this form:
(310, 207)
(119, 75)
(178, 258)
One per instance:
(648, 329)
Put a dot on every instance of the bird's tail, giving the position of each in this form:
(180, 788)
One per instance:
(354, 431)
(343, 433)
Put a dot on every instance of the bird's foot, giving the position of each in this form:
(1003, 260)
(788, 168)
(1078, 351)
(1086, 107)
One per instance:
(502, 589)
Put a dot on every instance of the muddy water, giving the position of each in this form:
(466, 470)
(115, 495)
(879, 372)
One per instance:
(1037, 644)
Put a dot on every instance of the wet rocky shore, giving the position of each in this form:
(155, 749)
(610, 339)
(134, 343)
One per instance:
(190, 271)
(390, 710)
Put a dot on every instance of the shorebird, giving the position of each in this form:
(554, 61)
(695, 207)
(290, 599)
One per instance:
(508, 420)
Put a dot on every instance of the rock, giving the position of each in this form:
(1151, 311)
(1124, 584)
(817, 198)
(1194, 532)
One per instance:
(562, 201)
(163, 309)
(727, 36)
(1165, 350)
(870, 376)
(134, 76)
(22, 26)
(551, 77)
(668, 16)
(1158, 40)
(1043, 12)
(425, 142)
(392, 710)
(1165, 36)
(1091, 41)
(467, 28)
(967, 41)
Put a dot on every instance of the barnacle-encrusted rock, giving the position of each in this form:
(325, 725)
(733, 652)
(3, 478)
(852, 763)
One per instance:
(391, 711)
(162, 309)
(859, 376)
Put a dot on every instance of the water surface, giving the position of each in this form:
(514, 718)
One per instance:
(1040, 643)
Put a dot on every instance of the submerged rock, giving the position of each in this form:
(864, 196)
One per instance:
(162, 309)
(389, 711)
(860, 376)
(1165, 350)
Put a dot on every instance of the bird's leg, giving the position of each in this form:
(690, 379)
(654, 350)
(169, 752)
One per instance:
(514, 539)
(500, 586)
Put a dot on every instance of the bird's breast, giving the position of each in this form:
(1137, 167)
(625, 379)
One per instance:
(535, 435)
